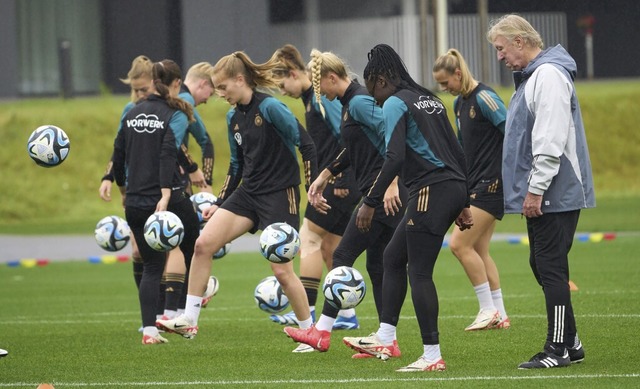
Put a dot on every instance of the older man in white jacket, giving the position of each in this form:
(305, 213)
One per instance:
(546, 172)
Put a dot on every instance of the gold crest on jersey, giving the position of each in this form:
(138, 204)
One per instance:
(258, 121)
(472, 112)
(236, 127)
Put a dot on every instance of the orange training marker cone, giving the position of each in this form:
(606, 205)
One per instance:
(572, 286)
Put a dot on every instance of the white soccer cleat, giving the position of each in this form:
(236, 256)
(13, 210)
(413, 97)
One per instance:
(486, 318)
(158, 339)
(423, 364)
(371, 345)
(179, 325)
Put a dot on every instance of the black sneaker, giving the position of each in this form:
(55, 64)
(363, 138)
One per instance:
(576, 354)
(551, 356)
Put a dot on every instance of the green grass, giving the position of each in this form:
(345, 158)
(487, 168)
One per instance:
(74, 324)
(65, 199)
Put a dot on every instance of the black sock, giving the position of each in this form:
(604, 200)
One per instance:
(311, 287)
(175, 284)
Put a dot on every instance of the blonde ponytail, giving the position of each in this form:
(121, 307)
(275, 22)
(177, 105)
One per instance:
(316, 74)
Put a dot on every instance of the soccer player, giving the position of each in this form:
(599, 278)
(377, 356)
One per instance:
(422, 147)
(263, 134)
(546, 171)
(196, 89)
(146, 169)
(320, 232)
(480, 117)
(140, 79)
(362, 131)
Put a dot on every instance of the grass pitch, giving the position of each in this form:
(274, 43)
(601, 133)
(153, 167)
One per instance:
(74, 324)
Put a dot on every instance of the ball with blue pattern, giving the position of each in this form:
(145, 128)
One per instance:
(48, 146)
(112, 233)
(269, 295)
(163, 231)
(202, 201)
(344, 287)
(224, 250)
(279, 242)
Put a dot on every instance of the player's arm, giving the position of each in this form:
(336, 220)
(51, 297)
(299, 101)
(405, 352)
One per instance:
(290, 129)
(236, 163)
(199, 132)
(394, 118)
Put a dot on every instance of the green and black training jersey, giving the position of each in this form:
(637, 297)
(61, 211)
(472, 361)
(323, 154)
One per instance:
(263, 136)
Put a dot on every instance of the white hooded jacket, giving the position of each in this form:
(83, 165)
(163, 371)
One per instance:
(545, 148)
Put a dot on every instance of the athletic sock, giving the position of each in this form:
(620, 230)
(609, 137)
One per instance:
(432, 352)
(168, 313)
(483, 292)
(150, 331)
(496, 296)
(386, 333)
(304, 324)
(325, 323)
(348, 313)
(173, 290)
(311, 288)
(193, 307)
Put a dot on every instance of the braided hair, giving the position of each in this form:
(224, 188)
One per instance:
(315, 65)
(164, 73)
(384, 61)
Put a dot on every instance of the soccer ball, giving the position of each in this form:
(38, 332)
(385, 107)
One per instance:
(163, 231)
(202, 201)
(48, 146)
(269, 296)
(212, 288)
(279, 242)
(112, 233)
(222, 252)
(344, 287)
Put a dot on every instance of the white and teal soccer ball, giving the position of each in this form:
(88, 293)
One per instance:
(112, 233)
(279, 242)
(269, 296)
(212, 287)
(344, 287)
(163, 231)
(222, 252)
(48, 146)
(202, 201)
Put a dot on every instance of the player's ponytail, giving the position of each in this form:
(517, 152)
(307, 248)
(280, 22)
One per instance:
(255, 75)
(450, 62)
(315, 65)
(141, 66)
(165, 73)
